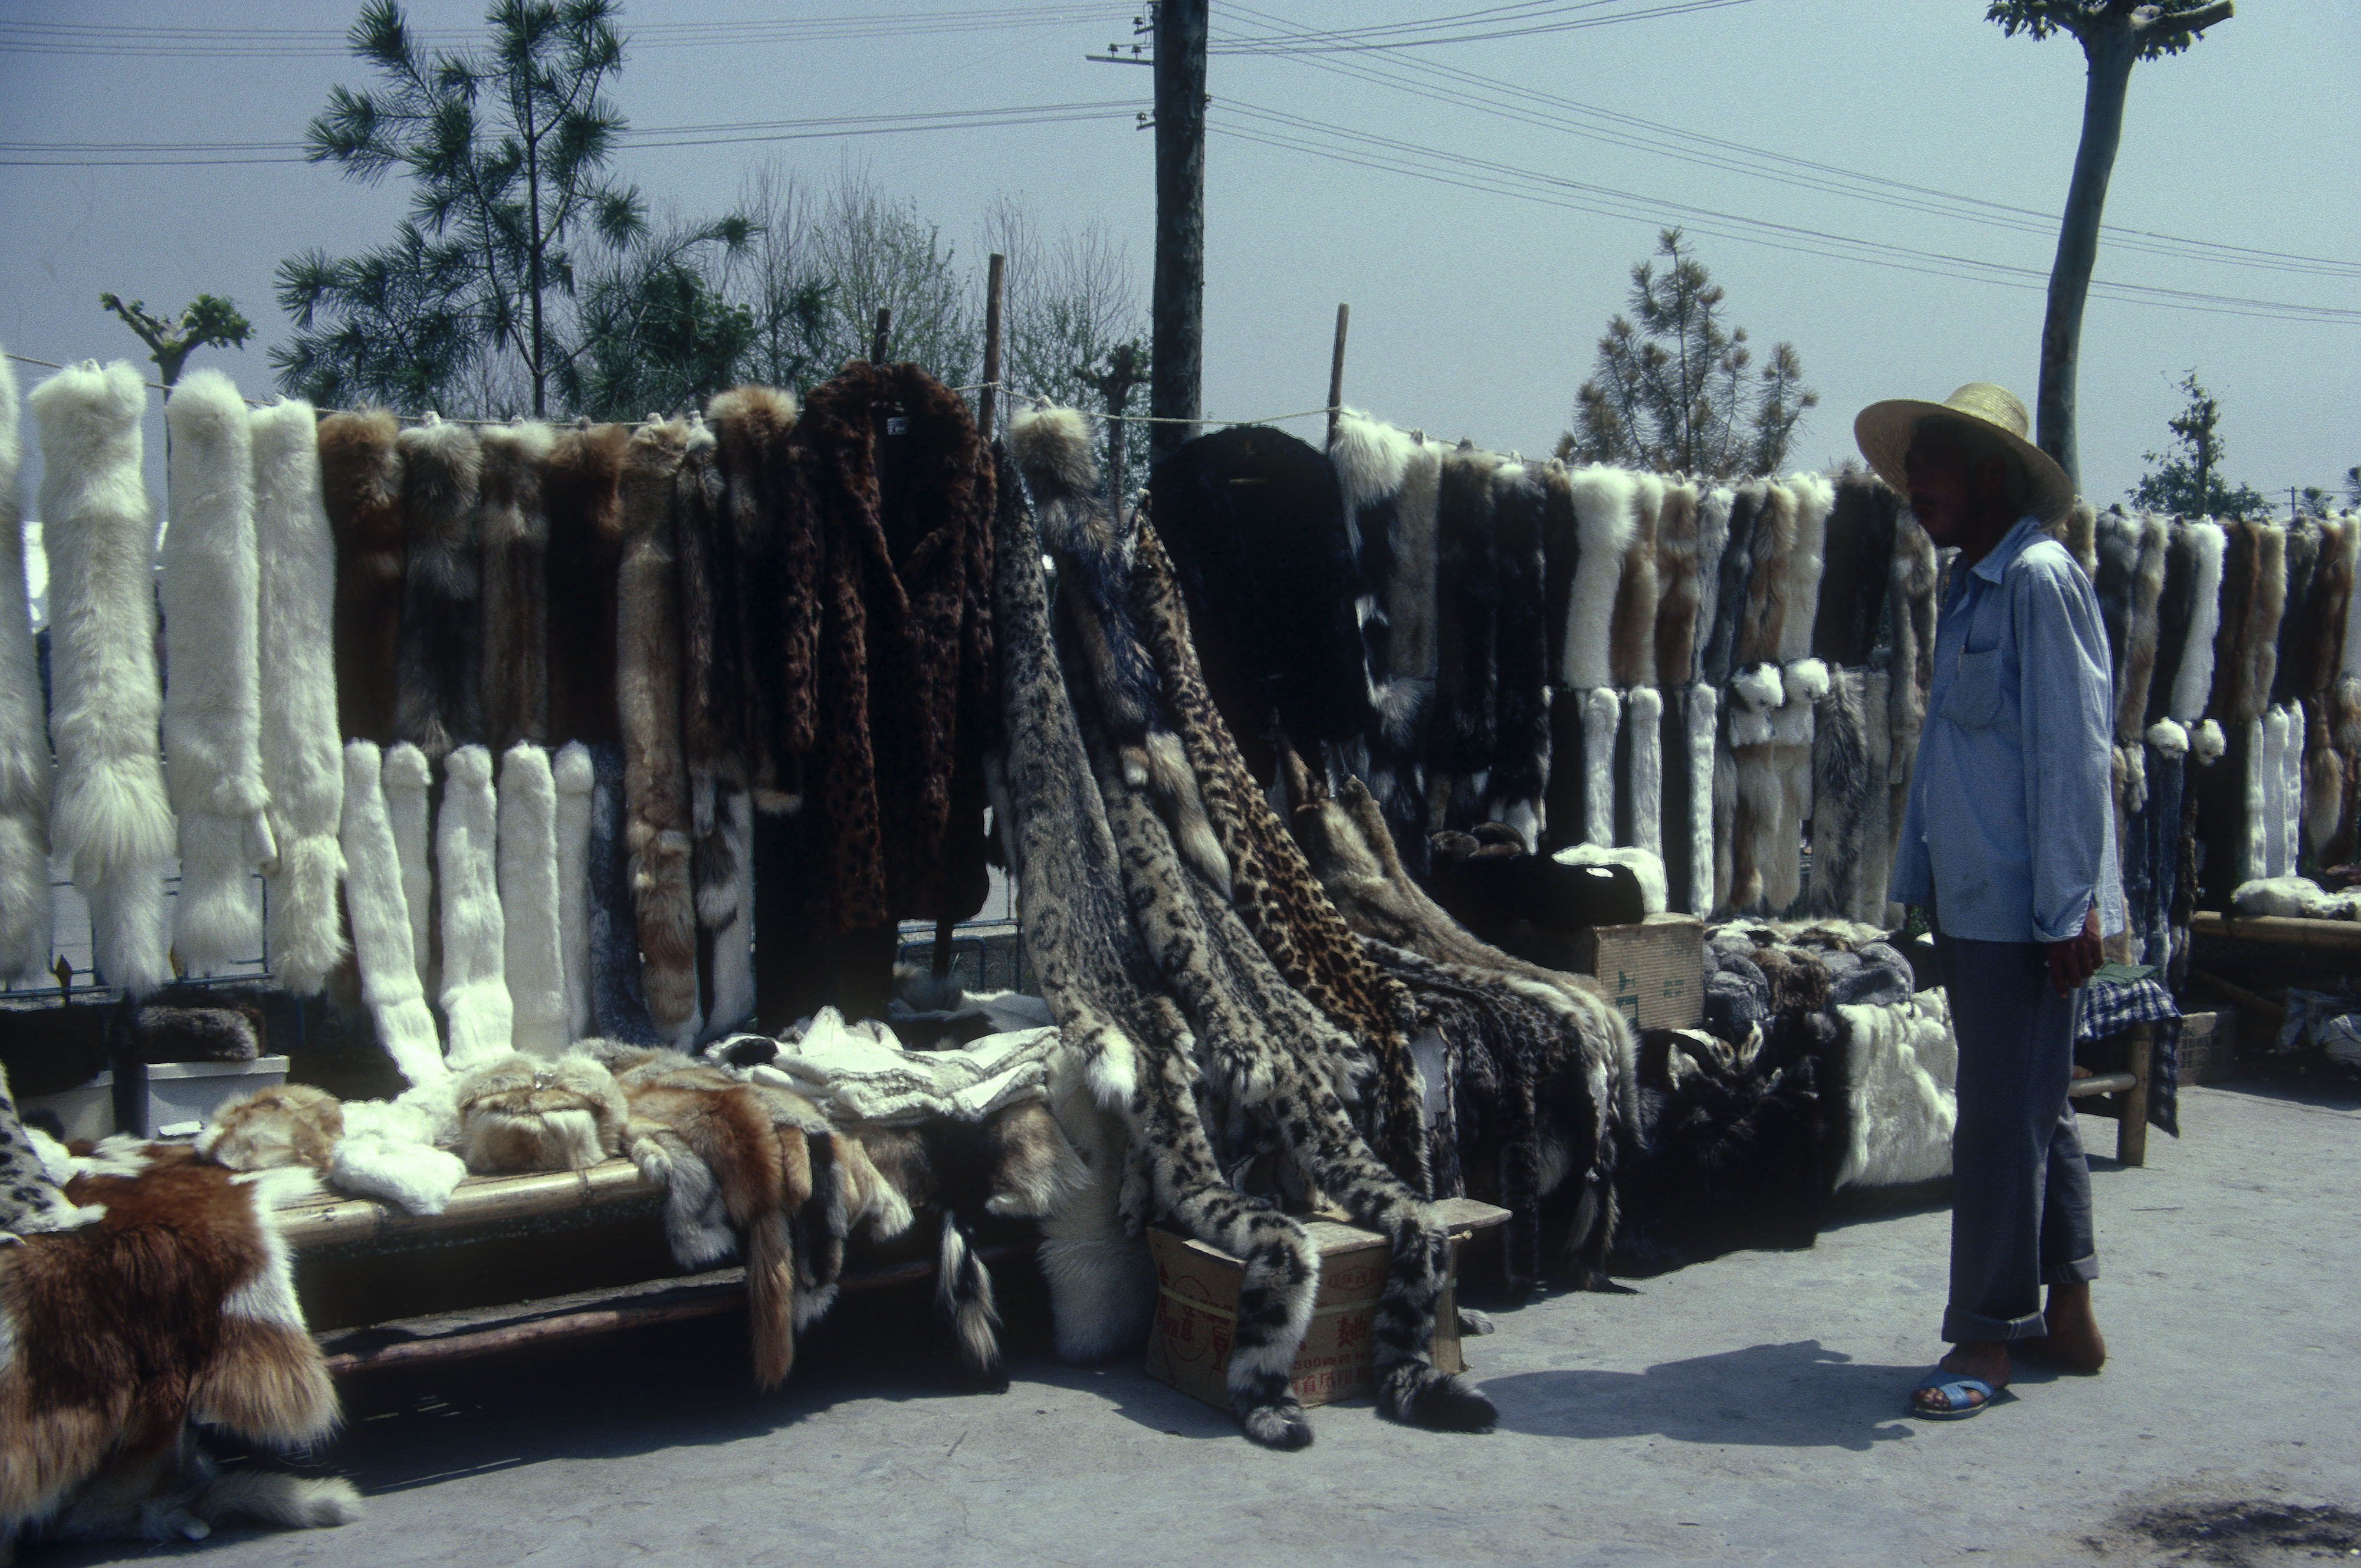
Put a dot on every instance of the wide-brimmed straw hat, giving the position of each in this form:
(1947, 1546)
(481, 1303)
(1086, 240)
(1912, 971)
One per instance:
(1884, 431)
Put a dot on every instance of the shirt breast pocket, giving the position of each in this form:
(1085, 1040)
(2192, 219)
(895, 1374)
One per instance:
(1974, 699)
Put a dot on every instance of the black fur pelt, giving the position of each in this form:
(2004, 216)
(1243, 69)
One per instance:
(1464, 731)
(769, 614)
(2299, 635)
(1256, 525)
(2117, 536)
(1529, 905)
(1737, 573)
(1563, 800)
(1561, 552)
(2176, 605)
(439, 702)
(1856, 565)
(713, 679)
(581, 488)
(619, 1007)
(1520, 765)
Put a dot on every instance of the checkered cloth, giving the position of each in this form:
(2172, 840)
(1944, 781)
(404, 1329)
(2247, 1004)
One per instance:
(2110, 1008)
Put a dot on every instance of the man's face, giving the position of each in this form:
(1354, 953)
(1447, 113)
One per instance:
(1942, 487)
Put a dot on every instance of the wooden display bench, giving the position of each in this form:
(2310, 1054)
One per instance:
(384, 1289)
(2122, 1094)
(2279, 930)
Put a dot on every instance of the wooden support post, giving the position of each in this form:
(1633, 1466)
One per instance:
(1336, 372)
(2131, 1122)
(877, 339)
(988, 405)
(1177, 304)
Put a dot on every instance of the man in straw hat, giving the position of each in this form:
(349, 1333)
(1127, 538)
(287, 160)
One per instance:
(2009, 844)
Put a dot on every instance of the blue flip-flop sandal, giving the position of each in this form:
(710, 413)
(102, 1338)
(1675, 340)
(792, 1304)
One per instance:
(1953, 1387)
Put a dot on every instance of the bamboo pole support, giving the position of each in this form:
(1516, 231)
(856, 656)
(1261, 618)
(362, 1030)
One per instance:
(1336, 371)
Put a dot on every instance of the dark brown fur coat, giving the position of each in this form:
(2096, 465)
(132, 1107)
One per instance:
(586, 546)
(361, 479)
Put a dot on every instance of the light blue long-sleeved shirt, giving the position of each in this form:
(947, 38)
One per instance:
(2010, 831)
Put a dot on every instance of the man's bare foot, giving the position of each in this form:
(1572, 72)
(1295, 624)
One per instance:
(2073, 1342)
(1985, 1360)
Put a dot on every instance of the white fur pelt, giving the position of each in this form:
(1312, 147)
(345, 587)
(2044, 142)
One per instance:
(574, 775)
(2206, 743)
(1755, 695)
(380, 914)
(389, 1149)
(24, 731)
(2286, 822)
(1903, 1066)
(2263, 780)
(302, 765)
(109, 815)
(1102, 1280)
(1713, 538)
(212, 719)
(1815, 497)
(2192, 682)
(408, 778)
(1646, 867)
(1643, 717)
(1725, 820)
(1602, 715)
(532, 959)
(1878, 828)
(725, 901)
(1802, 683)
(1701, 711)
(1607, 515)
(475, 992)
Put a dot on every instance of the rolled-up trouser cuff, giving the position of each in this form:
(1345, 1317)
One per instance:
(2082, 1271)
(1960, 1326)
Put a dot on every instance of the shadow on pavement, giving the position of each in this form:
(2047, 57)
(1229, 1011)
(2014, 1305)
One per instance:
(1792, 1396)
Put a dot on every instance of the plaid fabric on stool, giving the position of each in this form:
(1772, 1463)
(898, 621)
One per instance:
(2110, 1007)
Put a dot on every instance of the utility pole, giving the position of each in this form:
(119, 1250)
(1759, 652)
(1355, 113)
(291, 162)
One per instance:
(1177, 351)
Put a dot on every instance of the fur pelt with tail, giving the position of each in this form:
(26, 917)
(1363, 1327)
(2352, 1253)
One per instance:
(647, 686)
(1815, 498)
(1464, 726)
(1699, 720)
(474, 992)
(513, 545)
(24, 763)
(2201, 548)
(517, 1113)
(1805, 683)
(1771, 578)
(1102, 1280)
(1842, 786)
(617, 1003)
(109, 814)
(2297, 636)
(581, 490)
(1678, 587)
(2135, 674)
(295, 1124)
(1712, 543)
(1755, 697)
(2260, 674)
(574, 776)
(2078, 532)
(303, 764)
(1856, 564)
(1643, 785)
(532, 945)
(379, 912)
(1632, 633)
(1606, 517)
(1518, 779)
(1092, 546)
(212, 718)
(1910, 667)
(200, 1326)
(1877, 829)
(360, 486)
(723, 868)
(714, 699)
(2313, 644)
(407, 778)
(439, 664)
(767, 626)
(1717, 644)
(1392, 479)
(1602, 720)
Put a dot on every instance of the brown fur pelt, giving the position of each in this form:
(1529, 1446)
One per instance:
(1633, 637)
(903, 688)
(657, 841)
(360, 481)
(2317, 645)
(2291, 659)
(1679, 591)
(295, 1124)
(1763, 617)
(2137, 671)
(712, 667)
(769, 615)
(526, 1113)
(1912, 666)
(2260, 673)
(512, 540)
(439, 704)
(177, 1307)
(2231, 702)
(580, 490)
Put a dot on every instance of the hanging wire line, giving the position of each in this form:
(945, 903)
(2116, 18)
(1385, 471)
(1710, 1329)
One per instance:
(1352, 40)
(1279, 128)
(1468, 89)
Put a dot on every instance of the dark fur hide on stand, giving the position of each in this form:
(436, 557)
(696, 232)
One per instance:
(767, 626)
(1678, 587)
(1464, 732)
(1720, 661)
(1857, 566)
(2291, 658)
(1633, 634)
(713, 674)
(580, 488)
(514, 541)
(1521, 763)
(361, 480)
(1841, 785)
(439, 703)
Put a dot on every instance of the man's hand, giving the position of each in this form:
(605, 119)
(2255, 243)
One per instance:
(2072, 962)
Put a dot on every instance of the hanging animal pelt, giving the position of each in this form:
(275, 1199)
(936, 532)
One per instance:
(1689, 829)
(581, 489)
(1518, 780)
(1712, 545)
(766, 625)
(647, 686)
(302, 765)
(1877, 831)
(176, 1308)
(1399, 566)
(1464, 732)
(109, 814)
(439, 701)
(410, 814)
(1815, 498)
(1633, 634)
(723, 869)
(379, 912)
(24, 764)
(2078, 532)
(2136, 675)
(514, 542)
(361, 484)
(2317, 651)
(1256, 524)
(533, 951)
(1679, 588)
(474, 992)
(1771, 578)
(1841, 785)
(213, 716)
(617, 1000)
(2198, 557)
(1803, 683)
(2290, 657)
(713, 731)
(1718, 660)
(1910, 666)
(1093, 547)
(1605, 504)
(1602, 721)
(1856, 565)
(1643, 778)
(1755, 697)
(574, 776)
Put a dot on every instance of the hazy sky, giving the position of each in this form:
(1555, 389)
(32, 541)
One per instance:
(1475, 311)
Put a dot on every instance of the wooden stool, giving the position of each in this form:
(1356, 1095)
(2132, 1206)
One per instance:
(2122, 1095)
